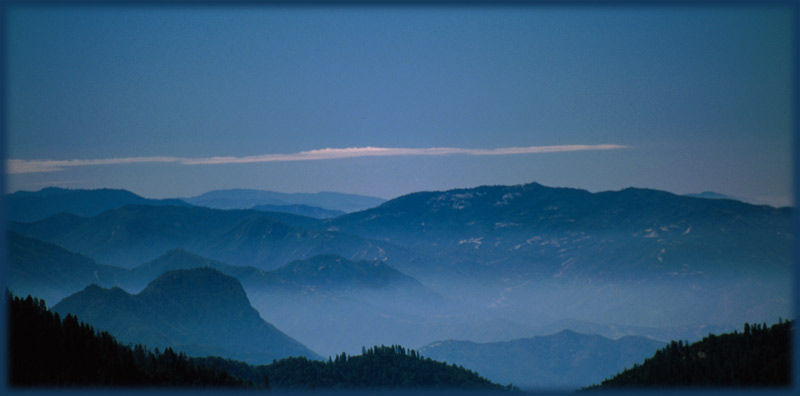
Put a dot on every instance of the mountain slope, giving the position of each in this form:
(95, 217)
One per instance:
(566, 360)
(42, 269)
(246, 199)
(32, 206)
(199, 311)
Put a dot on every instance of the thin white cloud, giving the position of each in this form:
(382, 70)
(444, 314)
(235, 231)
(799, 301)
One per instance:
(16, 166)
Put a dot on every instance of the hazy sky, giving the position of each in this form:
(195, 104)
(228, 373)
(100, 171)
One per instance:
(383, 101)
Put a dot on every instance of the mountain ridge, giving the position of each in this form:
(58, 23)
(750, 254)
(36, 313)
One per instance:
(134, 234)
(537, 222)
(51, 272)
(36, 205)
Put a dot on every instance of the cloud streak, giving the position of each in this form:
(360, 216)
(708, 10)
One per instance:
(17, 166)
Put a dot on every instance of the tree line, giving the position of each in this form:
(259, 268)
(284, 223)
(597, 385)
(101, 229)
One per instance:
(760, 356)
(376, 367)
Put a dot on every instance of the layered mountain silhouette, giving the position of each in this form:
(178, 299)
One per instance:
(566, 360)
(316, 300)
(134, 234)
(329, 302)
(524, 232)
(319, 300)
(137, 278)
(36, 205)
(487, 264)
(200, 311)
(51, 272)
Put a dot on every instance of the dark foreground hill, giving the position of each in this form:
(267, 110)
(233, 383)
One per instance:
(376, 368)
(760, 356)
(200, 312)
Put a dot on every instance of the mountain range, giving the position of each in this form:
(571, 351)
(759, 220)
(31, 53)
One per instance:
(487, 264)
(201, 312)
(532, 230)
(495, 246)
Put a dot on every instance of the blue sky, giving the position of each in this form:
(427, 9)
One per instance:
(384, 101)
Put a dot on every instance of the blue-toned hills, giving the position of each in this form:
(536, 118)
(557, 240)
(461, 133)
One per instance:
(135, 234)
(51, 272)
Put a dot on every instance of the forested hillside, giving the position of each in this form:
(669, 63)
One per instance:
(759, 356)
